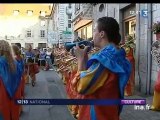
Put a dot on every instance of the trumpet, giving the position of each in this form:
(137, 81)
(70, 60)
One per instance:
(82, 44)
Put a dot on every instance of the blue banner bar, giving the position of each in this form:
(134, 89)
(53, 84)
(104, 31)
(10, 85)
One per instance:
(1, 118)
(80, 102)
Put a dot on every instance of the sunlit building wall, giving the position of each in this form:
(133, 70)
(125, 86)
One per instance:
(25, 23)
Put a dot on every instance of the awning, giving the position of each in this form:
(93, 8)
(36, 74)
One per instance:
(81, 23)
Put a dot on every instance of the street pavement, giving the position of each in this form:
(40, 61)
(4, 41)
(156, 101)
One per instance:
(49, 85)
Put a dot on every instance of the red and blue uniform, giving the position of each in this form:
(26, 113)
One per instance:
(10, 89)
(106, 76)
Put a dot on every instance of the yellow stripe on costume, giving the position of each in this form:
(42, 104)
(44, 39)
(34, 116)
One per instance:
(99, 82)
(156, 101)
(84, 82)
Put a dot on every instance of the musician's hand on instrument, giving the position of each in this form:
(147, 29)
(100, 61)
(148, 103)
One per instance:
(80, 53)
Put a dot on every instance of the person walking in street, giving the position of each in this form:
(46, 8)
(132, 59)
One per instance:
(10, 80)
(52, 56)
(30, 65)
(20, 60)
(42, 57)
(48, 59)
(105, 74)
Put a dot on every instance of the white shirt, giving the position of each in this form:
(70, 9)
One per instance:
(48, 54)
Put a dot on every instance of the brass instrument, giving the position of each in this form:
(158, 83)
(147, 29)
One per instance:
(66, 66)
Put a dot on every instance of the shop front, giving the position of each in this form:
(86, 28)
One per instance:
(84, 28)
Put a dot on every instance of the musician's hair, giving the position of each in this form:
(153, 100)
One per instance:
(16, 50)
(6, 51)
(111, 27)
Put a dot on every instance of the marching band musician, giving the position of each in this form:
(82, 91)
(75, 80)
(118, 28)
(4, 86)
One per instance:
(108, 71)
(128, 46)
(129, 89)
(10, 80)
(65, 67)
(30, 65)
(18, 57)
(68, 69)
(156, 97)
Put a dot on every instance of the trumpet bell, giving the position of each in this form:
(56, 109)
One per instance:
(68, 46)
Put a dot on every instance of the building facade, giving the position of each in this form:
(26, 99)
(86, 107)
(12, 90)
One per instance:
(25, 24)
(133, 20)
(83, 20)
(62, 23)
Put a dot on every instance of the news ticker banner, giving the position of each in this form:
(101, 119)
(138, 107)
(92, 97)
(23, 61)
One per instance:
(80, 102)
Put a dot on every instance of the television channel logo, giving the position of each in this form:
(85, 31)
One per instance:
(144, 13)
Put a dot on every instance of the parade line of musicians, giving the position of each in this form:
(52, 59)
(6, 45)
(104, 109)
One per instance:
(104, 72)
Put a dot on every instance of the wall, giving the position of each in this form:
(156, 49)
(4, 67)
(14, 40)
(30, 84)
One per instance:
(144, 44)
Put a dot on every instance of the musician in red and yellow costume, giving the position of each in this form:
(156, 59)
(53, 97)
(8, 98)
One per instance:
(10, 80)
(20, 60)
(129, 48)
(105, 74)
(30, 65)
(156, 98)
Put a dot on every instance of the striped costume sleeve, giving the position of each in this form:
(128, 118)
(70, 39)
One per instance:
(91, 79)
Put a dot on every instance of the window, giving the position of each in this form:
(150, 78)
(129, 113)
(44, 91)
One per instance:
(42, 33)
(129, 22)
(83, 33)
(28, 33)
(69, 6)
(29, 12)
(101, 7)
(16, 12)
(69, 21)
(61, 36)
(77, 7)
(89, 31)
(42, 13)
(69, 17)
(69, 25)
